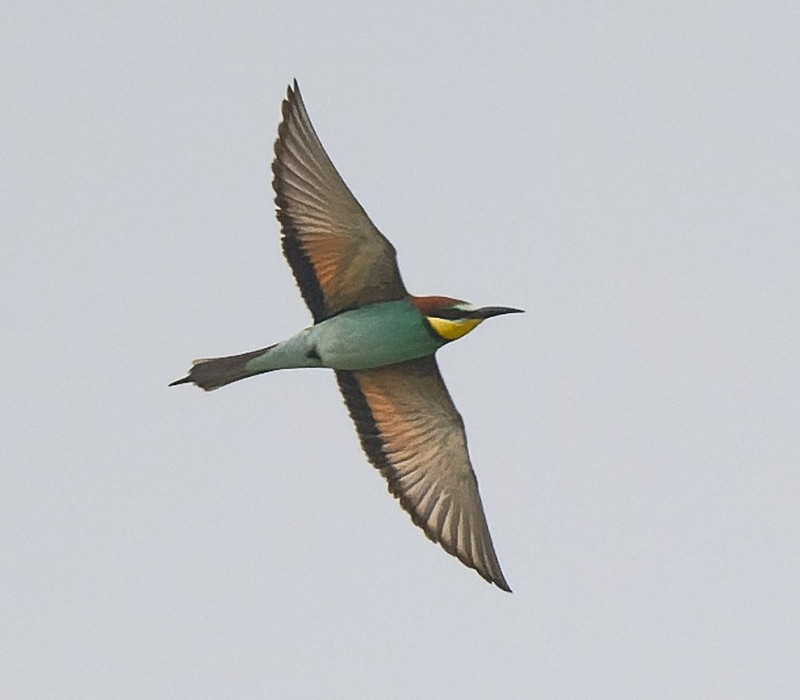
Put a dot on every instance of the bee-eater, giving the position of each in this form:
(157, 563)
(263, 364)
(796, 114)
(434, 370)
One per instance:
(379, 339)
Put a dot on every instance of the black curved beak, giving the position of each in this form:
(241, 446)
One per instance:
(489, 311)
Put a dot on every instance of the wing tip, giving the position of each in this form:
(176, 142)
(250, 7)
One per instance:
(501, 583)
(292, 95)
(486, 565)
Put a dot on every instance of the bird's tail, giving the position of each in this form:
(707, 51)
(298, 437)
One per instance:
(215, 372)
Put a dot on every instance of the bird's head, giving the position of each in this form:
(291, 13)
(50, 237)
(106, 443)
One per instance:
(451, 319)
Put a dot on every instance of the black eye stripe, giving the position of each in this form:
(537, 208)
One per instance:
(452, 314)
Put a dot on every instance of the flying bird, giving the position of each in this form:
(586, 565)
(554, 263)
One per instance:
(378, 338)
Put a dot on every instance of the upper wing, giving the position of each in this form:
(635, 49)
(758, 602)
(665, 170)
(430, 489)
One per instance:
(339, 259)
(413, 433)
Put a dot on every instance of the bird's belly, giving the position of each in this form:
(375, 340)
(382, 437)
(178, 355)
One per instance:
(374, 336)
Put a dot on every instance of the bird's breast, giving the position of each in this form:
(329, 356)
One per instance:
(374, 336)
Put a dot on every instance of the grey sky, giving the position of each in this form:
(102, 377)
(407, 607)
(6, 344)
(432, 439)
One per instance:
(628, 174)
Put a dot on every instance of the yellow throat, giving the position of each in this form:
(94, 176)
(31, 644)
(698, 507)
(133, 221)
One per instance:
(453, 330)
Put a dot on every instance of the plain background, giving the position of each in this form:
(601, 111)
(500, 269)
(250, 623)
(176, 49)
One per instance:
(628, 173)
